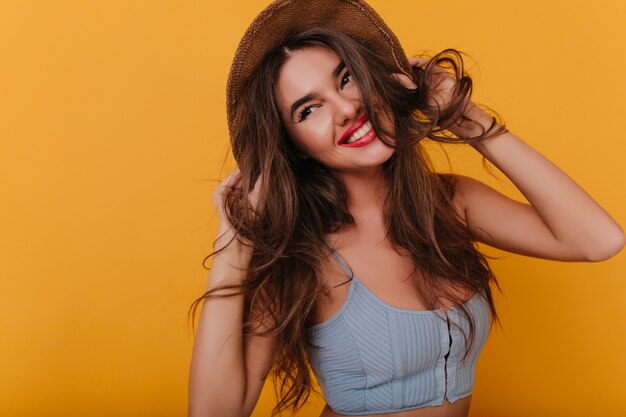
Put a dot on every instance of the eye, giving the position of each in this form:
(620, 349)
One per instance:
(345, 79)
(305, 112)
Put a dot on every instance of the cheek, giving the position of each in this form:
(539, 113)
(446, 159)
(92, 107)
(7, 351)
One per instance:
(317, 135)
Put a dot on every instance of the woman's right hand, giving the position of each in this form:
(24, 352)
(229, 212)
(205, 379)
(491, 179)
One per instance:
(231, 182)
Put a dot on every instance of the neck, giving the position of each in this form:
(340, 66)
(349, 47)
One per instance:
(366, 191)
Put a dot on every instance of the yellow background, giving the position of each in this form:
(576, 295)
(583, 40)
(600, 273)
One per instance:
(112, 126)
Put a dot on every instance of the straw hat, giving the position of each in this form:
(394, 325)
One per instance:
(281, 18)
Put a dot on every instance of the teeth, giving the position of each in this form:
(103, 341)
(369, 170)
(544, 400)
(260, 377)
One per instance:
(360, 132)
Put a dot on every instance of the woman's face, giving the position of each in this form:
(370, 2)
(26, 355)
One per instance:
(321, 108)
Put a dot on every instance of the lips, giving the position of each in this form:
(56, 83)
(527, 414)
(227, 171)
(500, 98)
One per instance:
(359, 122)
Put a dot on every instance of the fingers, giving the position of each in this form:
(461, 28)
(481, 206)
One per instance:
(232, 180)
(405, 81)
(418, 62)
(423, 63)
(256, 190)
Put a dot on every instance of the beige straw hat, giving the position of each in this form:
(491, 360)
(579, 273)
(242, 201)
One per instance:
(354, 18)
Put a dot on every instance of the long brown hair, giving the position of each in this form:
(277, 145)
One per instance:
(301, 201)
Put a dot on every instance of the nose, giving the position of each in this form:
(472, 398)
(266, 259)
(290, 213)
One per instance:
(345, 109)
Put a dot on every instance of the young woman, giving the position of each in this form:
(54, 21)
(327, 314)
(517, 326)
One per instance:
(341, 253)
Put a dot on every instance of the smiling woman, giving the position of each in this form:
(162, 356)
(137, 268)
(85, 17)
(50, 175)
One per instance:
(341, 253)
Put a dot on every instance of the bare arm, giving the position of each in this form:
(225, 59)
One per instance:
(562, 221)
(225, 377)
(217, 376)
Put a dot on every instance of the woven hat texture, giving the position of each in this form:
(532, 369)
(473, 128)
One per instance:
(282, 18)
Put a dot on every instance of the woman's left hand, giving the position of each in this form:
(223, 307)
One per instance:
(442, 90)
(443, 84)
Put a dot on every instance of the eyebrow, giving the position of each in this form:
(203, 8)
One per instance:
(310, 96)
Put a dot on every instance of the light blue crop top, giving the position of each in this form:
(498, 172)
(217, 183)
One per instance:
(375, 358)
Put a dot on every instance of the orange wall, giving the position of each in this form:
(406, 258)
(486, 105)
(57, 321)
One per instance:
(112, 123)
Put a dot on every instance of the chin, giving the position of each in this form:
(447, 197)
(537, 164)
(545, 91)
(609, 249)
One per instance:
(376, 155)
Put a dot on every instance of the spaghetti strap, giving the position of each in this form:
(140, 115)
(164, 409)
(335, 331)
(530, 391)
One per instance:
(340, 260)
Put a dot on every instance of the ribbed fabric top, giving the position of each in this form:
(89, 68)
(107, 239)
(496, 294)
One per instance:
(371, 357)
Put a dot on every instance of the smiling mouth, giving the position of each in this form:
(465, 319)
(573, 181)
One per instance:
(357, 130)
(359, 133)
(367, 138)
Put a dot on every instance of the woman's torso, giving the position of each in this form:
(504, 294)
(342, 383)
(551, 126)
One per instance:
(386, 275)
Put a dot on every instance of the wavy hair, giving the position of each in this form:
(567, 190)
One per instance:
(301, 200)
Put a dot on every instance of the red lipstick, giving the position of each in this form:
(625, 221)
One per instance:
(365, 140)
(359, 122)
